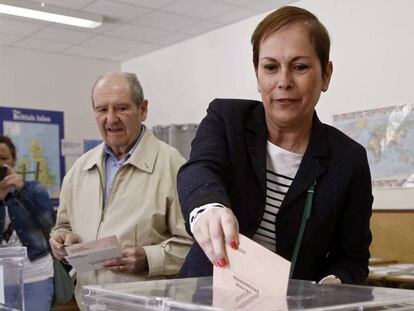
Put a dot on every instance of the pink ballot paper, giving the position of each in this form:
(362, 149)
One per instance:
(89, 256)
(255, 277)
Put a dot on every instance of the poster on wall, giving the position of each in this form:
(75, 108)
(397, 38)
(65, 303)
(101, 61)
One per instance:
(388, 136)
(89, 144)
(37, 135)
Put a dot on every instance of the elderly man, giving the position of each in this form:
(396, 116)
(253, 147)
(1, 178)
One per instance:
(125, 187)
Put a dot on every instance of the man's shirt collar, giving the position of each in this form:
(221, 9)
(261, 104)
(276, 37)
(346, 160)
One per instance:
(109, 154)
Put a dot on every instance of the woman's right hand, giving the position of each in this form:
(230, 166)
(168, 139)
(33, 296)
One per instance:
(5, 183)
(215, 228)
(4, 189)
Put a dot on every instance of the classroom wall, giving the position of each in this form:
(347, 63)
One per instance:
(39, 80)
(372, 52)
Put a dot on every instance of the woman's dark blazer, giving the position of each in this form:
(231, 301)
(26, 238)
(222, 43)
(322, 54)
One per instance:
(228, 165)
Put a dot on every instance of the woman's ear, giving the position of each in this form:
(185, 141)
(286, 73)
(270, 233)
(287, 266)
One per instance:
(257, 79)
(327, 76)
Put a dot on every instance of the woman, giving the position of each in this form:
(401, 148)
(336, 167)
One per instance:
(25, 213)
(253, 165)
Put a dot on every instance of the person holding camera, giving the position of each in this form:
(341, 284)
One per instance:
(26, 212)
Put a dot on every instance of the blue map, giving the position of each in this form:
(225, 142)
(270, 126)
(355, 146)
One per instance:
(37, 145)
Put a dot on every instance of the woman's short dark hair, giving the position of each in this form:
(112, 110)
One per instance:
(289, 15)
(8, 142)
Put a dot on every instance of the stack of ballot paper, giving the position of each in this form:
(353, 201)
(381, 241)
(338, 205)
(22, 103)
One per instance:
(90, 256)
(255, 279)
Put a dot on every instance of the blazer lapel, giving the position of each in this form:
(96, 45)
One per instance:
(256, 137)
(311, 168)
(309, 171)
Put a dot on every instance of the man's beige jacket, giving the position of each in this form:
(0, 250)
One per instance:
(142, 209)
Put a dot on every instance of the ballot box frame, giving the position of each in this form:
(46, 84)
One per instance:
(12, 259)
(172, 295)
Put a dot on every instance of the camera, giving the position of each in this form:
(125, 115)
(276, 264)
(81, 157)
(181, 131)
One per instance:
(3, 172)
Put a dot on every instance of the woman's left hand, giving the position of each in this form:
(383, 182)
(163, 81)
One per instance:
(12, 180)
(133, 260)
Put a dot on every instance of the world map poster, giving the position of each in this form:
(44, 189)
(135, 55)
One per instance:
(37, 135)
(388, 136)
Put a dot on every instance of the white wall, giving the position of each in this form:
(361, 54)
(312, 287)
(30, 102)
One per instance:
(372, 52)
(38, 80)
(181, 80)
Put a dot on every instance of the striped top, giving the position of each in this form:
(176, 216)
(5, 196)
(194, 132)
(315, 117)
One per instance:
(281, 168)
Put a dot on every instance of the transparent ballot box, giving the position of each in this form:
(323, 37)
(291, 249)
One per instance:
(11, 277)
(198, 294)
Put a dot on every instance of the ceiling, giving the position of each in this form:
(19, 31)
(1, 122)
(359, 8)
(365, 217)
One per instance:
(131, 27)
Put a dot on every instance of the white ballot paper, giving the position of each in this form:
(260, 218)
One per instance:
(254, 278)
(90, 255)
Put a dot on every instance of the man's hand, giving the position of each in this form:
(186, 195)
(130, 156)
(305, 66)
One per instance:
(59, 240)
(214, 228)
(133, 260)
(12, 180)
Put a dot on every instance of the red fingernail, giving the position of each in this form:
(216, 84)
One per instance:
(222, 262)
(233, 244)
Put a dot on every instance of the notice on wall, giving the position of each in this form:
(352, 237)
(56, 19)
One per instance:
(388, 136)
(89, 144)
(71, 147)
(37, 135)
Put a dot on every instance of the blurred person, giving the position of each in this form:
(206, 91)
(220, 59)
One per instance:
(126, 187)
(26, 213)
(260, 167)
